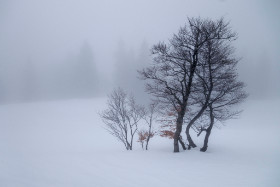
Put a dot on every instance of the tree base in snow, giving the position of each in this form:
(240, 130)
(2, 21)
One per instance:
(191, 146)
(203, 149)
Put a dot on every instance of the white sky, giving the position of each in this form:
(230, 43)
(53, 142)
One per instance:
(49, 31)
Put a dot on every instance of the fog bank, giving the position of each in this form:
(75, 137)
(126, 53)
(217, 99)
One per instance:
(73, 49)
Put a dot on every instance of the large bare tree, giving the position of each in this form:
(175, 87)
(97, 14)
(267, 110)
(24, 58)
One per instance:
(170, 77)
(219, 87)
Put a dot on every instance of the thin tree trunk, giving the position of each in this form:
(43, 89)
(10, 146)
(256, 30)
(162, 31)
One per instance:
(149, 135)
(182, 143)
(147, 143)
(208, 131)
(131, 138)
(205, 145)
(131, 143)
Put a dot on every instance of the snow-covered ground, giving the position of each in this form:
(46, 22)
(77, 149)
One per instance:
(63, 144)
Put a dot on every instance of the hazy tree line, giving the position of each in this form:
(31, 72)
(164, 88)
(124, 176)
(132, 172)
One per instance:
(77, 76)
(193, 81)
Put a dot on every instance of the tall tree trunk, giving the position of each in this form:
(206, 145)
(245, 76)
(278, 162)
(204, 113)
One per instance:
(188, 91)
(181, 115)
(208, 131)
(178, 131)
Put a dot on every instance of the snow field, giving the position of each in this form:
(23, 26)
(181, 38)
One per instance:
(64, 143)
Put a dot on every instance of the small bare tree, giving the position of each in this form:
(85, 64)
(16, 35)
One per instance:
(122, 117)
(144, 136)
(150, 117)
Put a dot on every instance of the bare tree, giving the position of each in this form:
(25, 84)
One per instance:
(142, 137)
(219, 88)
(220, 107)
(216, 61)
(122, 117)
(150, 117)
(171, 75)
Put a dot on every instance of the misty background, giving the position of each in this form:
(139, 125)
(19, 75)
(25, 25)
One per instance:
(79, 49)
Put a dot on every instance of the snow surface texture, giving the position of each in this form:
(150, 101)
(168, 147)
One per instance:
(64, 144)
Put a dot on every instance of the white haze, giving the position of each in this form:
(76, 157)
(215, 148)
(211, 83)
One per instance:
(69, 49)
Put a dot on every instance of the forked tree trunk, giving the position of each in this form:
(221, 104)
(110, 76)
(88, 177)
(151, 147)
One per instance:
(196, 117)
(128, 146)
(189, 138)
(181, 115)
(188, 91)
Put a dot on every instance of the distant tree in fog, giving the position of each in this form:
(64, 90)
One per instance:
(30, 82)
(127, 62)
(124, 72)
(85, 74)
(122, 117)
(76, 76)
